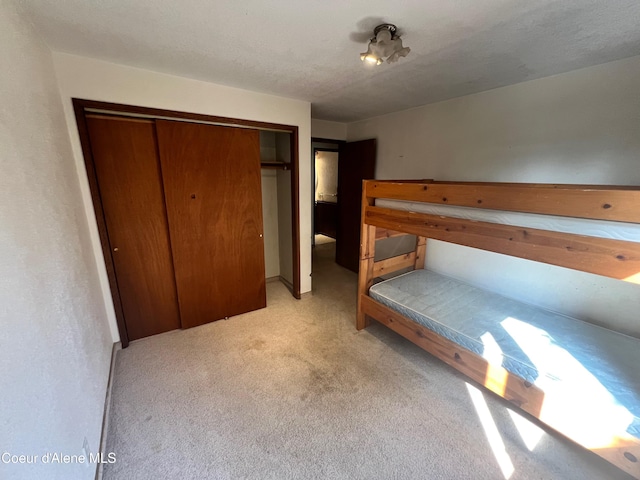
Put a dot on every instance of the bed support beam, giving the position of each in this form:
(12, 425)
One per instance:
(394, 264)
(603, 256)
(382, 233)
(598, 202)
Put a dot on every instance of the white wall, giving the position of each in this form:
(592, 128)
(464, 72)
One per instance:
(284, 225)
(328, 130)
(326, 165)
(97, 80)
(55, 348)
(267, 146)
(285, 232)
(270, 221)
(270, 205)
(578, 127)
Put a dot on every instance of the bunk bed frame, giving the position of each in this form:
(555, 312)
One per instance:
(612, 258)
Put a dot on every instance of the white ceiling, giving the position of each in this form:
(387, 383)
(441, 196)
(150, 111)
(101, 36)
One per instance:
(309, 49)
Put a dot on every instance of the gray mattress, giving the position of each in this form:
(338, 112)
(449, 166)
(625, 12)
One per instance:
(596, 370)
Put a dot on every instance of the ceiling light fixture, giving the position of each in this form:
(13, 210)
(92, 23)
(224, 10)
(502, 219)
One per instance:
(384, 45)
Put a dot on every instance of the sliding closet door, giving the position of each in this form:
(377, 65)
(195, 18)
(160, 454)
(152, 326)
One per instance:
(214, 204)
(128, 172)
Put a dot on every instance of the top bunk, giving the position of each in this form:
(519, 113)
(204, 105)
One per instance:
(601, 253)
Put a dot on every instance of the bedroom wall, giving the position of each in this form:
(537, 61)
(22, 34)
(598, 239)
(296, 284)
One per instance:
(98, 80)
(578, 127)
(55, 348)
(270, 222)
(269, 205)
(283, 178)
(326, 165)
(328, 130)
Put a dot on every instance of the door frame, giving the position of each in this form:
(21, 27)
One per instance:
(81, 107)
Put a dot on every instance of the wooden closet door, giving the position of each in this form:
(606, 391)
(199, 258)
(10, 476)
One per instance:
(129, 179)
(212, 186)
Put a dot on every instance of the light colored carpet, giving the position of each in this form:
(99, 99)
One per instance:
(294, 392)
(320, 239)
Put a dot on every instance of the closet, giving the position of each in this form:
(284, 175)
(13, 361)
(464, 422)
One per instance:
(182, 210)
(279, 220)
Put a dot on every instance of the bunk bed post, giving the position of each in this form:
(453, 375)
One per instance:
(367, 258)
(421, 252)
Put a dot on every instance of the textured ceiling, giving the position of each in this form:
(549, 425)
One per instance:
(309, 49)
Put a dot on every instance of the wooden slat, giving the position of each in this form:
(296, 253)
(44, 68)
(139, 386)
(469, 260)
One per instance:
(367, 254)
(540, 185)
(612, 258)
(415, 180)
(621, 450)
(394, 264)
(594, 202)
(622, 453)
(382, 233)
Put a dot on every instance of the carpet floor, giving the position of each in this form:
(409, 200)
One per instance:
(293, 391)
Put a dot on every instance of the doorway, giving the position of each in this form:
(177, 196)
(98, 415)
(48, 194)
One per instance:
(339, 168)
(324, 215)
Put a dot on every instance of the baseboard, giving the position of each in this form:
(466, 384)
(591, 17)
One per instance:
(107, 410)
(286, 283)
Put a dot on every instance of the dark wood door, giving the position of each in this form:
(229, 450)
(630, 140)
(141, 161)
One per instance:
(214, 204)
(326, 218)
(356, 162)
(128, 172)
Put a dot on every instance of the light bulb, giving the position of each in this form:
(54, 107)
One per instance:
(372, 59)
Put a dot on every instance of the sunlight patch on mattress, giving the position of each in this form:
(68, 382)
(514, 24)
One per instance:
(588, 374)
(633, 279)
(573, 388)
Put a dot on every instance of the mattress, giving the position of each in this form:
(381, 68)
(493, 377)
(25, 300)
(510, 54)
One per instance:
(595, 371)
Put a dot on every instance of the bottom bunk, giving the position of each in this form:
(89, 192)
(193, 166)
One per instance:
(588, 368)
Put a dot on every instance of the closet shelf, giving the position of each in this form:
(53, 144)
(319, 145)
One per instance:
(276, 165)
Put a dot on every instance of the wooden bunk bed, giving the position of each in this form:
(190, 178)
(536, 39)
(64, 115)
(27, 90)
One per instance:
(609, 257)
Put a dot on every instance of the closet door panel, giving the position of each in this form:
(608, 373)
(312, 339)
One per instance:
(129, 179)
(212, 186)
